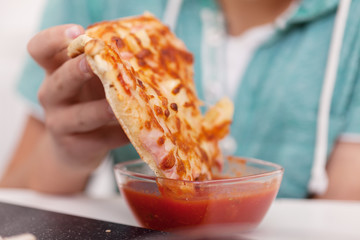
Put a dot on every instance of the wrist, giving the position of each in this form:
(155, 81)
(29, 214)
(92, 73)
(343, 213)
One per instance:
(55, 173)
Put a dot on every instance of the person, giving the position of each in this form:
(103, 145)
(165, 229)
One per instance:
(269, 56)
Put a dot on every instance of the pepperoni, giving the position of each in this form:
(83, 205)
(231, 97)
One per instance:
(148, 125)
(174, 107)
(158, 110)
(164, 101)
(177, 89)
(141, 84)
(169, 53)
(161, 140)
(168, 161)
(141, 62)
(143, 53)
(167, 113)
(118, 41)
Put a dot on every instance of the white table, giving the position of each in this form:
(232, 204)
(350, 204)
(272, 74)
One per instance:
(286, 219)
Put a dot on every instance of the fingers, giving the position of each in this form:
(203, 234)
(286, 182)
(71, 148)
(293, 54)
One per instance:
(108, 137)
(66, 82)
(82, 117)
(49, 47)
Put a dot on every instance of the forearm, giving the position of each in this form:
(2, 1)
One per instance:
(35, 165)
(53, 175)
(41, 171)
(343, 172)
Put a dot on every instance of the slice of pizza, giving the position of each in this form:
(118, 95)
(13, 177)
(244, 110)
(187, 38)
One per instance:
(147, 74)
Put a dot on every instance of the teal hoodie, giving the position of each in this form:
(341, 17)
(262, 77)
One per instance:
(276, 104)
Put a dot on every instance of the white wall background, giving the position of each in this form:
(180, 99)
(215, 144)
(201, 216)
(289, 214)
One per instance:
(18, 22)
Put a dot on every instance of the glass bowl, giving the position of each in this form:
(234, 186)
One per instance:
(239, 196)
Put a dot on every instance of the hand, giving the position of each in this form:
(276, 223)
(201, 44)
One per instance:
(79, 123)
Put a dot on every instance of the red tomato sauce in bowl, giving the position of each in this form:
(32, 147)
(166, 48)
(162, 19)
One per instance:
(166, 204)
(159, 212)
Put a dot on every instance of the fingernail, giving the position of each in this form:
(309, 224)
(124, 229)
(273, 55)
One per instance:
(73, 32)
(84, 67)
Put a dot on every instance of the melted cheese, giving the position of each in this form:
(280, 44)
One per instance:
(148, 65)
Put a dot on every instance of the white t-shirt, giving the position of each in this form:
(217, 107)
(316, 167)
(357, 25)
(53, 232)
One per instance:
(240, 49)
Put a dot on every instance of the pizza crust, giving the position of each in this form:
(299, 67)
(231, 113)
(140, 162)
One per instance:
(104, 71)
(76, 47)
(147, 77)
